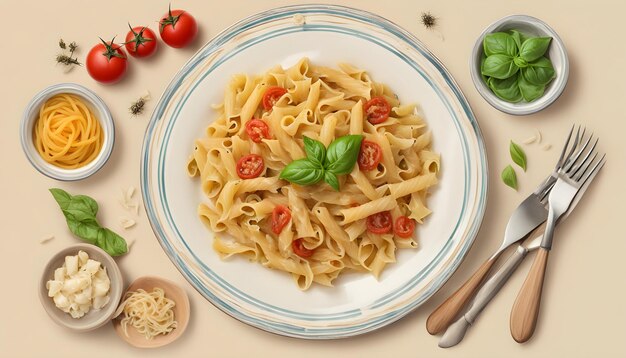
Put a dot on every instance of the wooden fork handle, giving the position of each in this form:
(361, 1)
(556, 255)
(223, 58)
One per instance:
(444, 315)
(526, 307)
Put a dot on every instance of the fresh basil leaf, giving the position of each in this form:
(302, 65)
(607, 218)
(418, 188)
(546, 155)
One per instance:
(482, 63)
(499, 66)
(86, 230)
(529, 91)
(539, 72)
(332, 180)
(80, 214)
(517, 37)
(111, 243)
(499, 43)
(520, 62)
(534, 47)
(507, 89)
(303, 172)
(509, 177)
(62, 197)
(518, 155)
(342, 153)
(314, 149)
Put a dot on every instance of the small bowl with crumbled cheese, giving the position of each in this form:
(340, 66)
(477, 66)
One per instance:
(81, 287)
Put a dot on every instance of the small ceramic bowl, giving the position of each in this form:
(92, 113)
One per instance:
(556, 53)
(94, 318)
(100, 110)
(181, 313)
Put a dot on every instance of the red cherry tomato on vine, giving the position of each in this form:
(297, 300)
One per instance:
(178, 28)
(140, 41)
(106, 62)
(380, 223)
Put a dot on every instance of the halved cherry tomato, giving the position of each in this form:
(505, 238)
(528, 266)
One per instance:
(250, 166)
(377, 110)
(380, 223)
(257, 130)
(404, 227)
(280, 217)
(271, 96)
(300, 250)
(369, 155)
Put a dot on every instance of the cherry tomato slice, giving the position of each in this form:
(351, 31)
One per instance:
(380, 223)
(271, 96)
(377, 110)
(370, 155)
(300, 250)
(280, 218)
(250, 166)
(257, 130)
(404, 227)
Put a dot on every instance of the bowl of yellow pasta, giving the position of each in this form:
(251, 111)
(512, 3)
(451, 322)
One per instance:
(67, 132)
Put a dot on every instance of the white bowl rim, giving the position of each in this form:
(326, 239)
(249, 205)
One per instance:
(114, 273)
(104, 117)
(557, 86)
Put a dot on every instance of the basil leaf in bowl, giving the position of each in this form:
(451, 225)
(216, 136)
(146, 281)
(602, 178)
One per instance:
(499, 66)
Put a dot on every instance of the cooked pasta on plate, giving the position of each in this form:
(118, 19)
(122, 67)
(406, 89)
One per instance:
(313, 171)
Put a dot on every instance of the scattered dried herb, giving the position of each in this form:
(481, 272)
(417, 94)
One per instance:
(139, 105)
(428, 20)
(66, 58)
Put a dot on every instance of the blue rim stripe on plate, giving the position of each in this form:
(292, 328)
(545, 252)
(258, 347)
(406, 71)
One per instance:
(210, 48)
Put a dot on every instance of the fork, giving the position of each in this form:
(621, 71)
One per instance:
(570, 179)
(532, 206)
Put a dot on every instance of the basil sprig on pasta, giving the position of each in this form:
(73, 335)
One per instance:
(322, 163)
(80, 213)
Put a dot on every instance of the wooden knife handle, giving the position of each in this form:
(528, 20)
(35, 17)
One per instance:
(444, 315)
(526, 307)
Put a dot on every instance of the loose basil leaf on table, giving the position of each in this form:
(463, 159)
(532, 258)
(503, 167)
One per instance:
(534, 47)
(500, 43)
(111, 242)
(342, 153)
(506, 89)
(539, 72)
(332, 180)
(499, 66)
(529, 91)
(315, 150)
(509, 177)
(80, 214)
(518, 155)
(303, 172)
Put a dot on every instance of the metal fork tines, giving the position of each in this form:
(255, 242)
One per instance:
(583, 164)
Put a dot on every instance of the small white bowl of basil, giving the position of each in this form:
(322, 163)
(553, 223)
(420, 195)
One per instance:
(519, 65)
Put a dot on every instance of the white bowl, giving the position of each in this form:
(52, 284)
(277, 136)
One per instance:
(31, 113)
(556, 52)
(94, 318)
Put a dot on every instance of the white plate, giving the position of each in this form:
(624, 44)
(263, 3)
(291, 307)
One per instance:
(269, 299)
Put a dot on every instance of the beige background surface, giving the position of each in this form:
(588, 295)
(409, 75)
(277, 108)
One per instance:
(583, 309)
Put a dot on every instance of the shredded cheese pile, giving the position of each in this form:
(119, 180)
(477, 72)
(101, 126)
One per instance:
(150, 313)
